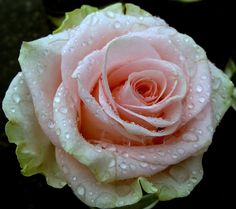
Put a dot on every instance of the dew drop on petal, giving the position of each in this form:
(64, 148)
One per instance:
(181, 151)
(112, 163)
(191, 106)
(202, 99)
(58, 131)
(199, 89)
(81, 190)
(13, 110)
(51, 124)
(190, 137)
(63, 110)
(67, 135)
(110, 14)
(179, 174)
(203, 77)
(16, 98)
(57, 99)
(74, 178)
(123, 165)
(117, 25)
(143, 165)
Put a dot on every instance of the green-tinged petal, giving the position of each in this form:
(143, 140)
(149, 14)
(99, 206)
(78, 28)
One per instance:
(95, 193)
(178, 180)
(222, 91)
(116, 8)
(34, 151)
(134, 10)
(75, 17)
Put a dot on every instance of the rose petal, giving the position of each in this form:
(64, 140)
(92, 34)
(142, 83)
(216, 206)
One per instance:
(34, 149)
(121, 51)
(94, 193)
(40, 61)
(88, 38)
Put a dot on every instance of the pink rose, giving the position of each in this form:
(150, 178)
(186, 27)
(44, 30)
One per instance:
(115, 104)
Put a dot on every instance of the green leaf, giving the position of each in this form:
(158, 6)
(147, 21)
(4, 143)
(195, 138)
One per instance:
(75, 17)
(34, 151)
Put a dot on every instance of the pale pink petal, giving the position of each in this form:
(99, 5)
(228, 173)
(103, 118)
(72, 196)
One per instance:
(121, 51)
(94, 33)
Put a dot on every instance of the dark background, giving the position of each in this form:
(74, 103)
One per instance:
(210, 23)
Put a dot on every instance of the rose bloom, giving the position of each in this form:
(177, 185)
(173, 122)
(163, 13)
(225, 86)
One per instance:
(121, 107)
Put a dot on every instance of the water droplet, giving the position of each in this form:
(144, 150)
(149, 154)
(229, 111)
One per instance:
(161, 153)
(120, 203)
(46, 52)
(143, 164)
(174, 156)
(186, 40)
(67, 135)
(194, 179)
(191, 106)
(201, 99)
(142, 157)
(181, 151)
(15, 88)
(190, 137)
(117, 25)
(81, 190)
(125, 154)
(83, 44)
(179, 173)
(13, 110)
(203, 77)
(199, 131)
(141, 18)
(51, 124)
(110, 14)
(21, 81)
(50, 36)
(16, 98)
(94, 20)
(169, 41)
(216, 83)
(74, 178)
(112, 163)
(63, 110)
(105, 199)
(123, 165)
(57, 99)
(199, 89)
(58, 131)
(88, 100)
(65, 169)
(181, 58)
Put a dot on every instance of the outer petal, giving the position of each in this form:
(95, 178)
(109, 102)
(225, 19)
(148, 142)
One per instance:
(222, 90)
(40, 62)
(34, 150)
(178, 180)
(94, 193)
